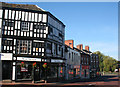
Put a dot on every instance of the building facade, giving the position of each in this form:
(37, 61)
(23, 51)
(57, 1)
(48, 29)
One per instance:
(32, 45)
(85, 61)
(94, 65)
(72, 61)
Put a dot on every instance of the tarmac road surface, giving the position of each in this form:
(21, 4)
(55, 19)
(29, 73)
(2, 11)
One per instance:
(103, 81)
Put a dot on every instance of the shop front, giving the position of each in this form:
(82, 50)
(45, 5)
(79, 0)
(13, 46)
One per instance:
(27, 69)
(55, 70)
(85, 72)
(71, 72)
(93, 73)
(77, 71)
(32, 69)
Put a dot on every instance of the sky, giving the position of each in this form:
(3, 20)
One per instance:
(88, 23)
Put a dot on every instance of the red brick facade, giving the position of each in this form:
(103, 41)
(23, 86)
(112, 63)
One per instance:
(80, 46)
(87, 48)
(69, 43)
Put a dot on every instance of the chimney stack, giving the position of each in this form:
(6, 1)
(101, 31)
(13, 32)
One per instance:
(87, 48)
(80, 46)
(69, 43)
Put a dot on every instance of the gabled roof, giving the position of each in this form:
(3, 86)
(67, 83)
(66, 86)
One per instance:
(23, 6)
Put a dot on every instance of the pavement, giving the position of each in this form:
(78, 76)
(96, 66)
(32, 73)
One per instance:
(103, 81)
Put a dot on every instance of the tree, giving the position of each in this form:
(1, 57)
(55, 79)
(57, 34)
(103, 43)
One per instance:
(101, 57)
(106, 63)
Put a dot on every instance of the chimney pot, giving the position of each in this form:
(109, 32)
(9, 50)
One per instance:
(80, 46)
(69, 43)
(87, 48)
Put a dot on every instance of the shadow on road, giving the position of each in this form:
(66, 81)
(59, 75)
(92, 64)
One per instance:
(98, 79)
(63, 84)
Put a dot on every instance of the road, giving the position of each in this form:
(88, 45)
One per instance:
(104, 81)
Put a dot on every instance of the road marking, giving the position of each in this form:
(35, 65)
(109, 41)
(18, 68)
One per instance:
(92, 84)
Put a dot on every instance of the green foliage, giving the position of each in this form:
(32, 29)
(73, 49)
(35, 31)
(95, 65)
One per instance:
(106, 63)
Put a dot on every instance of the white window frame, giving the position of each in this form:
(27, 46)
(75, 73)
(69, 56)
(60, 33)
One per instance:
(19, 47)
(24, 26)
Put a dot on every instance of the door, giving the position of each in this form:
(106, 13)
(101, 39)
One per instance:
(6, 70)
(85, 73)
(36, 73)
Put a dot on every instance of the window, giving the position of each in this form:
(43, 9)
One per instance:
(56, 49)
(50, 30)
(24, 26)
(49, 46)
(7, 45)
(62, 52)
(23, 47)
(59, 48)
(39, 26)
(72, 56)
(38, 48)
(60, 35)
(69, 55)
(9, 23)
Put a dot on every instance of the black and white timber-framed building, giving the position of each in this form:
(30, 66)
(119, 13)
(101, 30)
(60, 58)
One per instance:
(29, 38)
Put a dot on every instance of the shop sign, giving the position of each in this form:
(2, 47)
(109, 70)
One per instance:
(6, 56)
(29, 59)
(77, 66)
(45, 60)
(56, 61)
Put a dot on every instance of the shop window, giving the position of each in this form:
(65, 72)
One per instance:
(54, 72)
(61, 71)
(24, 71)
(23, 47)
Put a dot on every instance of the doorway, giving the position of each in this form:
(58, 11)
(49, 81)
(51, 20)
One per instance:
(6, 70)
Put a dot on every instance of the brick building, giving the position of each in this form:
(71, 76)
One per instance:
(84, 61)
(72, 60)
(93, 61)
(94, 65)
